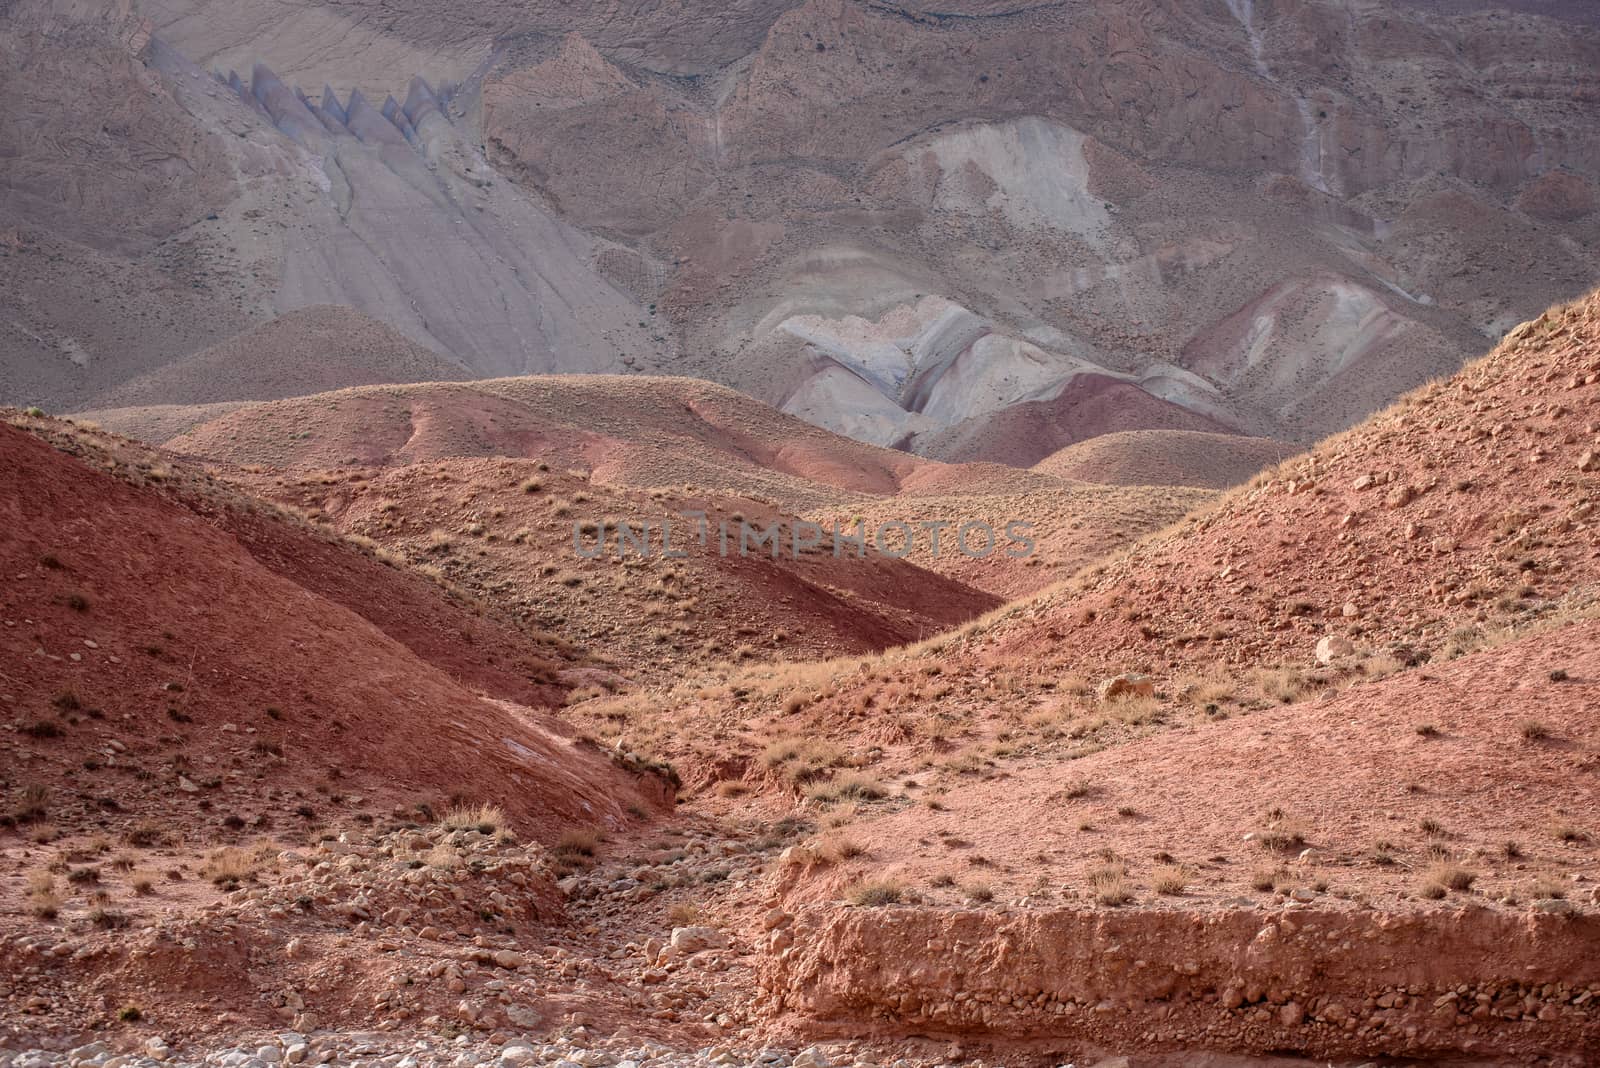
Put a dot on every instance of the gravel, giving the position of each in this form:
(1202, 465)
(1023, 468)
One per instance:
(391, 1051)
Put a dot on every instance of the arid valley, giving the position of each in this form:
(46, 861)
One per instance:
(799, 533)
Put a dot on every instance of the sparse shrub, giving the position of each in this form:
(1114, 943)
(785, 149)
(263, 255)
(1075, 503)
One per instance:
(980, 893)
(854, 787)
(1430, 826)
(875, 892)
(1077, 788)
(578, 842)
(33, 804)
(442, 858)
(1548, 888)
(145, 834)
(44, 728)
(732, 788)
(803, 759)
(486, 819)
(1533, 731)
(1432, 891)
(1428, 730)
(1284, 685)
(1568, 833)
(1266, 879)
(685, 914)
(83, 876)
(1451, 876)
(1282, 839)
(1170, 879)
(142, 885)
(43, 901)
(130, 1014)
(838, 848)
(1110, 885)
(108, 919)
(231, 865)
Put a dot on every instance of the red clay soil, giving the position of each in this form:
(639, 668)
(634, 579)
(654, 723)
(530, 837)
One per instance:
(504, 528)
(1326, 878)
(1365, 793)
(1090, 405)
(1044, 986)
(481, 648)
(1167, 458)
(153, 665)
(663, 430)
(1472, 502)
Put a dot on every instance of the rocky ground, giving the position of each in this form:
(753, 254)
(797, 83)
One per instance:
(1357, 796)
(398, 1051)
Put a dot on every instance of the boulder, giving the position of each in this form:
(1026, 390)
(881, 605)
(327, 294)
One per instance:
(1119, 686)
(1333, 647)
(693, 939)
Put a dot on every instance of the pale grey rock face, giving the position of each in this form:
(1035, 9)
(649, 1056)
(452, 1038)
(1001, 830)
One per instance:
(974, 231)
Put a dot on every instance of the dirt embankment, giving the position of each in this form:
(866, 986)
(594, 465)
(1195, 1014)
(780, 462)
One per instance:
(1321, 983)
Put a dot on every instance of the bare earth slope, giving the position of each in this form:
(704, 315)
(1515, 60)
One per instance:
(1348, 702)
(1173, 458)
(311, 350)
(217, 661)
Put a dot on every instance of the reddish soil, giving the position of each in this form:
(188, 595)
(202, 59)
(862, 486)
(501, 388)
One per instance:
(148, 646)
(969, 822)
(1471, 503)
(1432, 765)
(1090, 405)
(1167, 458)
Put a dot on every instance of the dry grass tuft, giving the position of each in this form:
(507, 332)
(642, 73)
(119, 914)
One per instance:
(486, 819)
(836, 849)
(1110, 884)
(685, 914)
(232, 865)
(1450, 876)
(579, 842)
(1285, 685)
(875, 892)
(803, 759)
(1170, 879)
(43, 901)
(848, 787)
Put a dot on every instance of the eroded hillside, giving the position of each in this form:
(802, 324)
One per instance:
(946, 230)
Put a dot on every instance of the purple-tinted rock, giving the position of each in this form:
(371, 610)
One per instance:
(331, 106)
(369, 124)
(289, 113)
(421, 100)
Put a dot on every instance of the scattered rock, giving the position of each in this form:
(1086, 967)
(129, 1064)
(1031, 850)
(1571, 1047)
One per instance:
(1126, 686)
(1332, 647)
(688, 940)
